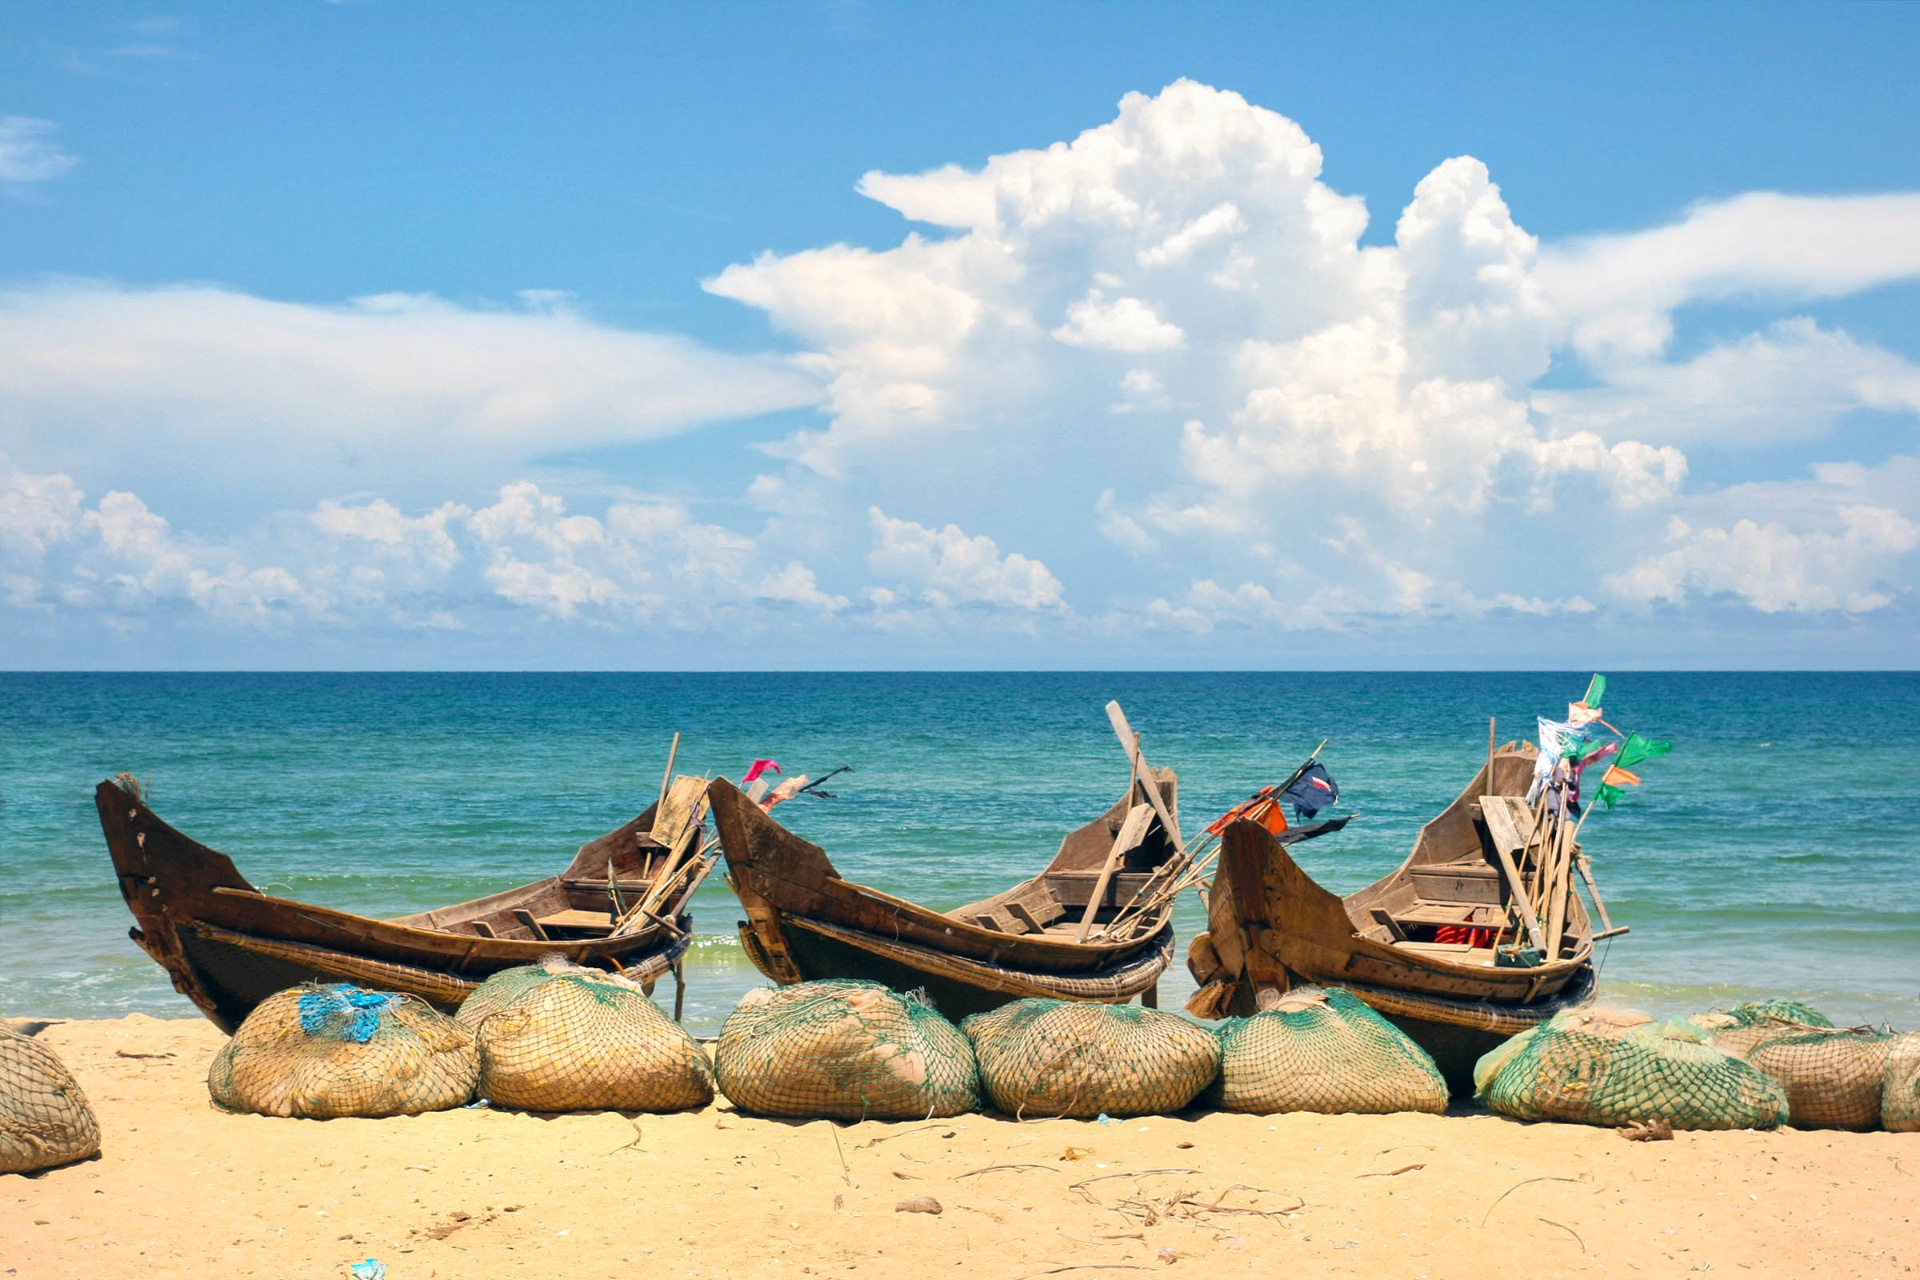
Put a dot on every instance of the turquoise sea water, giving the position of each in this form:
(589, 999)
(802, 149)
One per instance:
(1775, 852)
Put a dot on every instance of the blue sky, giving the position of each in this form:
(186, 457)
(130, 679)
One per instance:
(371, 335)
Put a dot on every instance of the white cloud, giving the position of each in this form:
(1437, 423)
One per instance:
(1789, 383)
(1222, 220)
(347, 564)
(950, 568)
(36, 511)
(1125, 324)
(1831, 543)
(1285, 378)
(28, 153)
(1618, 289)
(1162, 336)
(311, 400)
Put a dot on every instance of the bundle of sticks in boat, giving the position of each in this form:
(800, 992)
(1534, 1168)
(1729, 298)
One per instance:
(1190, 868)
(1185, 869)
(679, 824)
(1539, 861)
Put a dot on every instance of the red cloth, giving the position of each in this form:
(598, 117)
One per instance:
(760, 767)
(1463, 933)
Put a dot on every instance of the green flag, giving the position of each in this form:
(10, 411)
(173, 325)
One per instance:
(1596, 690)
(1636, 748)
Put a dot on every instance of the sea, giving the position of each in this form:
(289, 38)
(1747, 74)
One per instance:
(1774, 852)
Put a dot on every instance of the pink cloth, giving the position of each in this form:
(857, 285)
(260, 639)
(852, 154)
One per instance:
(760, 767)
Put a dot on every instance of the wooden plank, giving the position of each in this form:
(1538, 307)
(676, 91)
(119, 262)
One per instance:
(573, 918)
(1507, 840)
(1384, 918)
(1018, 910)
(527, 921)
(1148, 782)
(685, 799)
(1132, 832)
(484, 929)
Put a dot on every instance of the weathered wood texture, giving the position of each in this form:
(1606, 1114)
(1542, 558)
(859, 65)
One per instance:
(224, 943)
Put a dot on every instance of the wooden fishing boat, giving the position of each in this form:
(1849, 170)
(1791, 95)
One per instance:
(805, 922)
(227, 946)
(1270, 925)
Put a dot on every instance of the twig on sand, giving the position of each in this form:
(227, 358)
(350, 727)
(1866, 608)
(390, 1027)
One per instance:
(1088, 1266)
(1516, 1186)
(995, 1168)
(1392, 1173)
(1219, 1205)
(1144, 1173)
(889, 1137)
(1569, 1230)
(1654, 1130)
(983, 1212)
(631, 1146)
(846, 1174)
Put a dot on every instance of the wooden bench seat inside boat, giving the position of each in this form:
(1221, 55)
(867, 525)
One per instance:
(1054, 903)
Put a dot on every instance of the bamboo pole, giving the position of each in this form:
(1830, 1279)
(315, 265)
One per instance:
(1114, 854)
(667, 777)
(1131, 742)
(1557, 885)
(1488, 789)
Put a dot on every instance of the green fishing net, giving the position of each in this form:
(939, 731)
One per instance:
(44, 1118)
(560, 1037)
(1616, 1067)
(321, 1051)
(1833, 1076)
(844, 1050)
(1323, 1050)
(1061, 1058)
(1900, 1097)
(1740, 1028)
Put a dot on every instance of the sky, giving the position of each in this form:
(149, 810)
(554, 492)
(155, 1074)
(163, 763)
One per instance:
(841, 335)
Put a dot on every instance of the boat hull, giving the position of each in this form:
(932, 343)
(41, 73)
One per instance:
(956, 987)
(226, 946)
(1271, 926)
(805, 923)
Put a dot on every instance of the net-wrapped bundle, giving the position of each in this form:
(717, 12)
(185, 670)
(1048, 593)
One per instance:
(1900, 1097)
(1061, 1058)
(336, 1050)
(1617, 1067)
(1833, 1076)
(1740, 1028)
(844, 1049)
(1323, 1050)
(560, 1037)
(44, 1118)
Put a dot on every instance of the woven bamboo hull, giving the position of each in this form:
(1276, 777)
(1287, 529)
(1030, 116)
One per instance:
(226, 946)
(957, 987)
(1456, 1033)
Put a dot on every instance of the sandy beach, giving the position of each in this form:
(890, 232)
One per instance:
(183, 1190)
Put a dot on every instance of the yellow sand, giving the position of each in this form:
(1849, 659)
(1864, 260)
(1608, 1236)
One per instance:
(182, 1190)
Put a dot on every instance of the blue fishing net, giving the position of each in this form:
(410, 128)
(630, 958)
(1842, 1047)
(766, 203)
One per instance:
(342, 1012)
(323, 1051)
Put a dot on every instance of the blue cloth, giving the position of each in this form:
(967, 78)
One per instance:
(342, 1012)
(1312, 791)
